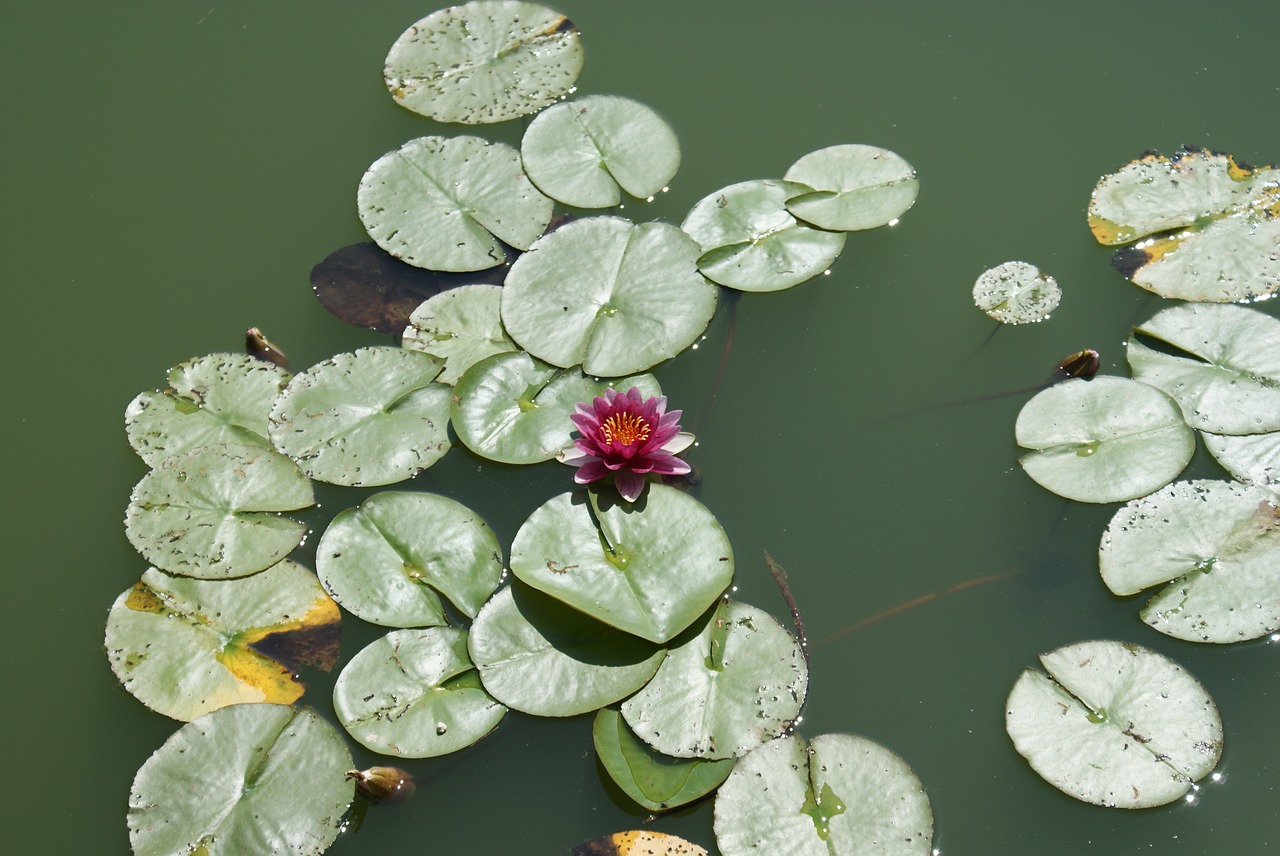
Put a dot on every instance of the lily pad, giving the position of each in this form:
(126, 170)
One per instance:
(415, 694)
(484, 61)
(515, 409)
(450, 203)
(1114, 724)
(1108, 439)
(737, 684)
(656, 781)
(841, 794)
(650, 568)
(854, 187)
(1016, 293)
(214, 511)
(365, 418)
(1229, 382)
(219, 398)
(752, 243)
(586, 152)
(1250, 458)
(386, 560)
(1216, 543)
(228, 784)
(541, 657)
(611, 295)
(461, 326)
(184, 647)
(638, 842)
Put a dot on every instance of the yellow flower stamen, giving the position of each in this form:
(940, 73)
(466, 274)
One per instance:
(625, 428)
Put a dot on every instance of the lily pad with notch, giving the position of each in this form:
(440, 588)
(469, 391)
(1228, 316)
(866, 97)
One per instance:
(461, 327)
(655, 781)
(854, 187)
(1016, 293)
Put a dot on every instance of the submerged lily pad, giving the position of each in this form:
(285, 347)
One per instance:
(1016, 293)
(656, 781)
(841, 794)
(1114, 724)
(1251, 458)
(214, 511)
(1216, 543)
(365, 418)
(611, 295)
(484, 61)
(184, 647)
(1103, 440)
(854, 187)
(461, 326)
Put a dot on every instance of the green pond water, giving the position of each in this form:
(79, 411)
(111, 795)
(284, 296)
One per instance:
(173, 170)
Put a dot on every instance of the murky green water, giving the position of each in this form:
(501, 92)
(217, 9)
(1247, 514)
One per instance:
(173, 171)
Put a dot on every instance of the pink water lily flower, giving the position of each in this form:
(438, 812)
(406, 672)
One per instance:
(627, 436)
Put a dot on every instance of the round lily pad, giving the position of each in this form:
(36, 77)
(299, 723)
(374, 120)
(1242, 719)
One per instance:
(386, 559)
(214, 511)
(650, 568)
(1250, 458)
(1216, 543)
(745, 676)
(1114, 724)
(365, 418)
(1104, 440)
(1016, 293)
(611, 295)
(752, 243)
(449, 203)
(841, 794)
(586, 152)
(484, 61)
(656, 781)
(461, 326)
(853, 187)
(250, 778)
(415, 694)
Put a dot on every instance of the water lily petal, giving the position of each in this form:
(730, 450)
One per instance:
(629, 484)
(679, 443)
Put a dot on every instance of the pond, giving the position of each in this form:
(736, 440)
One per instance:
(175, 172)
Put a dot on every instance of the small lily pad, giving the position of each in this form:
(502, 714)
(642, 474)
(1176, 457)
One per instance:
(461, 326)
(415, 694)
(1114, 724)
(854, 187)
(1250, 458)
(656, 781)
(484, 61)
(1016, 293)
(1108, 439)
(638, 842)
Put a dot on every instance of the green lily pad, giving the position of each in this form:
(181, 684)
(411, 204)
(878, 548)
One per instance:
(752, 243)
(1229, 382)
(1108, 439)
(1216, 543)
(586, 152)
(184, 647)
(415, 694)
(611, 295)
(737, 684)
(485, 61)
(229, 783)
(1016, 293)
(366, 418)
(214, 511)
(1250, 458)
(386, 559)
(515, 409)
(461, 326)
(650, 568)
(656, 781)
(854, 187)
(219, 398)
(841, 794)
(1114, 724)
(449, 203)
(541, 657)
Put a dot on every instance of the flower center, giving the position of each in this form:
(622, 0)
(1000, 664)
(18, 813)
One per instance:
(625, 428)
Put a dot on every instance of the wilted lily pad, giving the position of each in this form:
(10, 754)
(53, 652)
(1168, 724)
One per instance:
(752, 243)
(1250, 458)
(1216, 543)
(185, 647)
(1103, 440)
(841, 794)
(484, 61)
(250, 778)
(387, 559)
(638, 842)
(1114, 724)
(656, 781)
(1229, 382)
(415, 694)
(369, 417)
(611, 295)
(650, 568)
(461, 326)
(214, 511)
(854, 187)
(450, 203)
(1016, 293)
